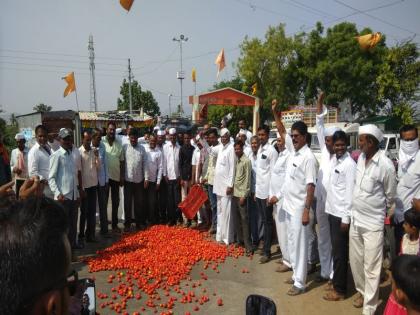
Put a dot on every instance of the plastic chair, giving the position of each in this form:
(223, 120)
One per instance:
(260, 305)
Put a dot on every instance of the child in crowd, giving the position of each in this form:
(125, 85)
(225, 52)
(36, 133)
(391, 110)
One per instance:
(409, 246)
(405, 286)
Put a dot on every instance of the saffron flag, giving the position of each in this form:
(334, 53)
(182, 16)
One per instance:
(254, 89)
(126, 4)
(193, 75)
(71, 84)
(369, 41)
(220, 61)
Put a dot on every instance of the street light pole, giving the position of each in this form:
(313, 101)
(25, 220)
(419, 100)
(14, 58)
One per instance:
(169, 101)
(180, 74)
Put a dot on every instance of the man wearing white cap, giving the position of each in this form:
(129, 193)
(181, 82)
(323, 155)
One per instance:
(223, 188)
(242, 135)
(19, 162)
(374, 193)
(408, 186)
(162, 191)
(171, 173)
(243, 127)
(325, 136)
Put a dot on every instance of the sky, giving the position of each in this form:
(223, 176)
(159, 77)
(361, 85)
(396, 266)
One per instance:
(41, 41)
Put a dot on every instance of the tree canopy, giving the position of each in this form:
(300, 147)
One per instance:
(140, 99)
(42, 108)
(291, 68)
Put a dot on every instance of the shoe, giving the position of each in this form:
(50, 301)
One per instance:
(289, 281)
(260, 251)
(283, 268)
(311, 268)
(212, 231)
(329, 286)
(321, 279)
(264, 259)
(279, 261)
(249, 252)
(293, 291)
(334, 296)
(358, 301)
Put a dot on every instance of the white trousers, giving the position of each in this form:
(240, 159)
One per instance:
(366, 261)
(225, 224)
(324, 241)
(297, 244)
(280, 220)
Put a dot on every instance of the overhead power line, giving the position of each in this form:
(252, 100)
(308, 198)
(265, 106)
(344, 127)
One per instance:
(375, 17)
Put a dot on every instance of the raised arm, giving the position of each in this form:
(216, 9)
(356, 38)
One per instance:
(279, 124)
(320, 114)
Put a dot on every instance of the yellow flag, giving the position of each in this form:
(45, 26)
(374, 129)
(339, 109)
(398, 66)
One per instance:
(369, 41)
(126, 4)
(220, 61)
(193, 75)
(254, 89)
(71, 84)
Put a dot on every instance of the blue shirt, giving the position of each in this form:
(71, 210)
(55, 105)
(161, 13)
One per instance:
(103, 177)
(62, 176)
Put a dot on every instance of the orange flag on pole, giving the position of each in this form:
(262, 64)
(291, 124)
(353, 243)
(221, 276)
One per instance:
(220, 61)
(126, 4)
(71, 84)
(369, 41)
(193, 75)
(254, 89)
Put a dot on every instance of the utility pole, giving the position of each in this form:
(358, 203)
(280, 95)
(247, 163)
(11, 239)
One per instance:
(130, 97)
(169, 101)
(93, 103)
(180, 74)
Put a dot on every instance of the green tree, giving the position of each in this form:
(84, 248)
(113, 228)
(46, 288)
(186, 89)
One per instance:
(268, 64)
(399, 80)
(336, 64)
(140, 99)
(216, 113)
(41, 108)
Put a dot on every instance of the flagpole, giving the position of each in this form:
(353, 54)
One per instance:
(77, 101)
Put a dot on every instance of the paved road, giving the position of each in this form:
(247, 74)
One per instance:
(233, 287)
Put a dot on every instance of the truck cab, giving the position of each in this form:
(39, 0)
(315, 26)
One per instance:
(351, 129)
(391, 145)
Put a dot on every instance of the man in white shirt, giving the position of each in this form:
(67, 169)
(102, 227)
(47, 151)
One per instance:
(374, 193)
(171, 173)
(223, 188)
(39, 158)
(298, 194)
(285, 146)
(266, 159)
(19, 162)
(408, 186)
(327, 153)
(338, 208)
(136, 181)
(64, 182)
(89, 163)
(255, 221)
(154, 166)
(211, 146)
(162, 192)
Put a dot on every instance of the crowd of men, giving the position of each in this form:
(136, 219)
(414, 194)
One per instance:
(256, 190)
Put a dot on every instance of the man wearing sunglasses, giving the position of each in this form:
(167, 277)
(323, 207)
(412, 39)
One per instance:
(298, 192)
(34, 257)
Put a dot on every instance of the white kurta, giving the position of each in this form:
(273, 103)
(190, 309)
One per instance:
(276, 190)
(224, 178)
(324, 239)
